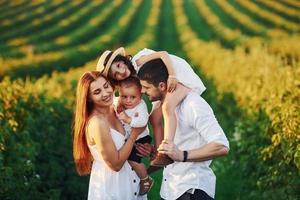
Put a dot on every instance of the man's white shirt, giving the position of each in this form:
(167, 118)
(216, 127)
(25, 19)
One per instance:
(196, 126)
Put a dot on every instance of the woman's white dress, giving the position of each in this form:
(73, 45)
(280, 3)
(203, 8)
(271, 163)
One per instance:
(106, 184)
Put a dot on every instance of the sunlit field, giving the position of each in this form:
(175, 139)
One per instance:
(247, 52)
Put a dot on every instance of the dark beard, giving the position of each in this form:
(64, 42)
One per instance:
(156, 98)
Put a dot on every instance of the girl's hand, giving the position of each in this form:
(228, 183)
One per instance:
(172, 82)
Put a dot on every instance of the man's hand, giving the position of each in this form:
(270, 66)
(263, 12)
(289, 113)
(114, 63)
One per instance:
(169, 148)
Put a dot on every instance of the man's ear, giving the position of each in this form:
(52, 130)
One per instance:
(162, 86)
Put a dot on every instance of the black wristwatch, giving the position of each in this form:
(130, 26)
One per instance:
(185, 155)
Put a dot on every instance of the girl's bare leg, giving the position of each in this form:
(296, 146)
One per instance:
(168, 108)
(170, 122)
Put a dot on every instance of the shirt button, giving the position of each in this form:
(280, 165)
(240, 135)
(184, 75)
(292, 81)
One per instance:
(134, 180)
(135, 194)
(131, 168)
(165, 179)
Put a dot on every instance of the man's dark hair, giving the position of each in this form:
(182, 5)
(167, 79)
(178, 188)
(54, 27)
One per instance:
(130, 81)
(154, 72)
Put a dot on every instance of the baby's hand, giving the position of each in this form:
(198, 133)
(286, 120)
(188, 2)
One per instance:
(124, 117)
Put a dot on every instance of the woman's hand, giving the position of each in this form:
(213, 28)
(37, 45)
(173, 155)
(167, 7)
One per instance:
(172, 82)
(169, 148)
(135, 132)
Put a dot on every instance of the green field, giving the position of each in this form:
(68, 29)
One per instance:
(247, 52)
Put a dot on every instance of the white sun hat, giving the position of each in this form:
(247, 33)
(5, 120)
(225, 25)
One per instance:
(104, 68)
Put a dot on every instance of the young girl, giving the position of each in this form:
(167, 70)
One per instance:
(117, 66)
(132, 111)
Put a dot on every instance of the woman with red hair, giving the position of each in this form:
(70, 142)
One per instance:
(99, 145)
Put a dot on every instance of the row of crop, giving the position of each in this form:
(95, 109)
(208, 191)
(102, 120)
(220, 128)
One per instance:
(258, 18)
(281, 9)
(198, 22)
(148, 28)
(46, 20)
(231, 32)
(8, 6)
(64, 27)
(271, 17)
(72, 57)
(260, 83)
(68, 24)
(23, 41)
(289, 51)
(17, 14)
(10, 12)
(245, 21)
(91, 29)
(28, 18)
(166, 38)
(292, 3)
(227, 19)
(36, 25)
(233, 37)
(228, 35)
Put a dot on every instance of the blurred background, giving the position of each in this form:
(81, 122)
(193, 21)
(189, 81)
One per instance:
(246, 52)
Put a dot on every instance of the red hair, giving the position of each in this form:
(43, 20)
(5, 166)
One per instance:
(81, 153)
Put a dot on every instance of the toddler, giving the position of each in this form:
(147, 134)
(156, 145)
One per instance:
(132, 111)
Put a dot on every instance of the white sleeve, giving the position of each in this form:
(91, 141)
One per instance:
(155, 105)
(141, 119)
(200, 116)
(141, 53)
